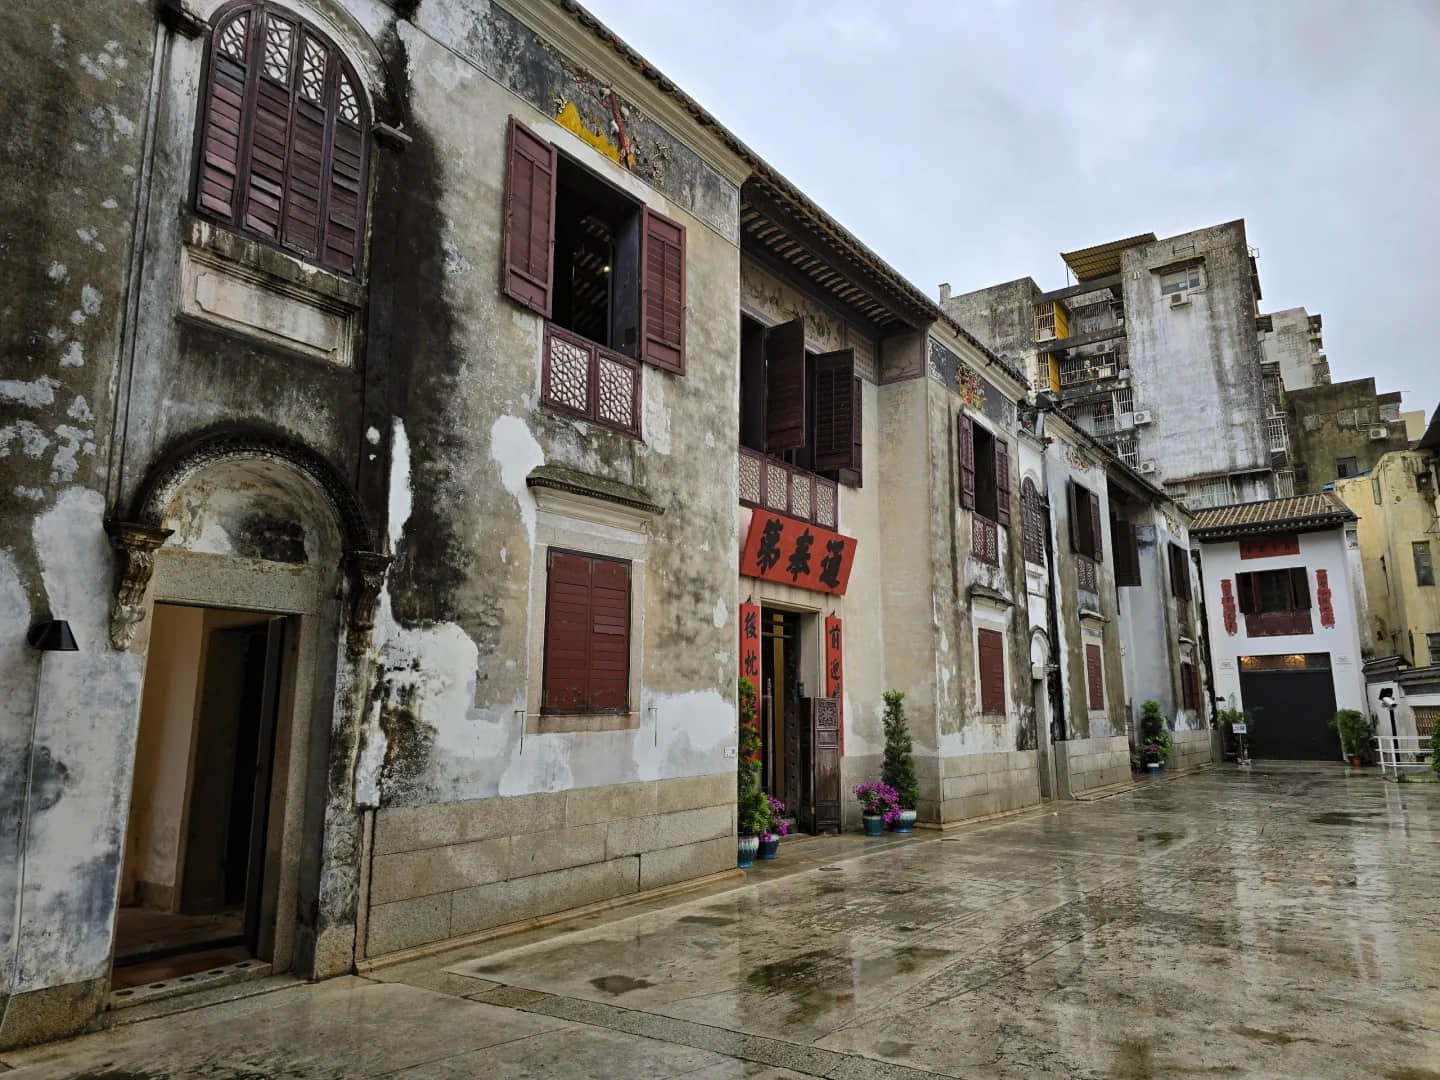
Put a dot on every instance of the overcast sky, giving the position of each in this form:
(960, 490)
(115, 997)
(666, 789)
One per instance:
(972, 142)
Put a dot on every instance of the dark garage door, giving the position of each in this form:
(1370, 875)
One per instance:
(1293, 707)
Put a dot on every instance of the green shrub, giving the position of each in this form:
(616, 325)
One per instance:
(1154, 732)
(1355, 734)
(899, 768)
(1435, 750)
(752, 809)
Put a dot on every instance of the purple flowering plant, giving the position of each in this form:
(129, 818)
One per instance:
(1152, 752)
(778, 825)
(879, 799)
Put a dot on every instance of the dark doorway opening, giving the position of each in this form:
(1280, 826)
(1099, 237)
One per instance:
(781, 705)
(1293, 698)
(193, 893)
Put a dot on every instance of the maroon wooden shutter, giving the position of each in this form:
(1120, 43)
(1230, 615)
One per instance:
(273, 47)
(529, 219)
(609, 634)
(346, 194)
(220, 144)
(1245, 590)
(965, 450)
(855, 474)
(1002, 482)
(662, 292)
(567, 633)
(785, 397)
(1072, 499)
(836, 407)
(305, 164)
(1300, 587)
(1095, 676)
(1095, 530)
(990, 645)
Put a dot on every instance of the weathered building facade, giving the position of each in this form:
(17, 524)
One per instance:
(404, 410)
(1338, 430)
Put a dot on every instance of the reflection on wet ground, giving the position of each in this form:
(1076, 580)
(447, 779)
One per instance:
(1279, 922)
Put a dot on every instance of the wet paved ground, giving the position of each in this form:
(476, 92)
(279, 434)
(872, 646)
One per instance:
(1283, 922)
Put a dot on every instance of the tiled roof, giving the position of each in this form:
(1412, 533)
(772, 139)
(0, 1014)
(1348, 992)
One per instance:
(1299, 513)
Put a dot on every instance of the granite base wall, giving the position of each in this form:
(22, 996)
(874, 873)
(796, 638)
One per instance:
(980, 785)
(1191, 749)
(1083, 765)
(451, 869)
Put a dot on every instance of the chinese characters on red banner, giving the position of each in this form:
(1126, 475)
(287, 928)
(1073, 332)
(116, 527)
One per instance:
(1325, 598)
(835, 671)
(750, 644)
(1267, 547)
(780, 548)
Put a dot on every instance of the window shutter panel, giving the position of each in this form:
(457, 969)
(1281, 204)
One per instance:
(965, 437)
(567, 633)
(529, 219)
(221, 135)
(835, 407)
(1002, 482)
(785, 397)
(1095, 676)
(346, 195)
(305, 160)
(1095, 530)
(273, 49)
(1300, 585)
(1072, 497)
(662, 292)
(609, 634)
(1244, 589)
(990, 645)
(855, 474)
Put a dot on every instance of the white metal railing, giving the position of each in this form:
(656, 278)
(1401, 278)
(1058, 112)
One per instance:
(1402, 752)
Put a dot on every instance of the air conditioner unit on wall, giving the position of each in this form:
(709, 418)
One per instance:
(1379, 433)
(1147, 467)
(1143, 417)
(1179, 299)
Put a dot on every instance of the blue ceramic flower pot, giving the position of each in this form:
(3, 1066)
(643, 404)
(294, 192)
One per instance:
(769, 848)
(874, 824)
(746, 846)
(905, 822)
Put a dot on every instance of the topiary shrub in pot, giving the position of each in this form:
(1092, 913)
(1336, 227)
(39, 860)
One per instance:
(1155, 741)
(752, 812)
(1353, 727)
(898, 772)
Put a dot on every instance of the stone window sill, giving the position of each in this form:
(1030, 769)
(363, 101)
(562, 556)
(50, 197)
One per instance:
(260, 258)
(560, 723)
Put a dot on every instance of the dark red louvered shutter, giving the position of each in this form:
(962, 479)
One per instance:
(1095, 676)
(965, 452)
(609, 634)
(1095, 530)
(345, 198)
(218, 177)
(305, 166)
(836, 405)
(1073, 495)
(990, 646)
(1245, 591)
(662, 292)
(855, 474)
(785, 396)
(274, 46)
(1300, 587)
(567, 633)
(529, 240)
(1002, 482)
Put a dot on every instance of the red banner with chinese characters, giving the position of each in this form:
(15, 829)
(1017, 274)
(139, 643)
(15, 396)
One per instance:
(750, 646)
(1227, 607)
(783, 549)
(1325, 599)
(835, 670)
(1267, 547)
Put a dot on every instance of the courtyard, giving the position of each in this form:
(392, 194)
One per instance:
(1278, 921)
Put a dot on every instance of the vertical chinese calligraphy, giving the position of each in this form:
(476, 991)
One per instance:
(750, 645)
(835, 670)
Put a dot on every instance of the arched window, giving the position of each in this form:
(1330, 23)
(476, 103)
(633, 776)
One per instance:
(282, 136)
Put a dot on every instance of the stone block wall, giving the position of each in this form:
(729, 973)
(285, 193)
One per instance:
(1085, 764)
(450, 869)
(1191, 749)
(979, 785)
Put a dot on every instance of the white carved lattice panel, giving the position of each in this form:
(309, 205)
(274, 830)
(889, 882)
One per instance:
(617, 393)
(777, 486)
(312, 70)
(569, 375)
(800, 489)
(349, 103)
(749, 479)
(232, 38)
(279, 45)
(825, 505)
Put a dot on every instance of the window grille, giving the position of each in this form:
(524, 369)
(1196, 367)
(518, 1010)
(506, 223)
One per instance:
(1276, 431)
(1284, 484)
(1128, 451)
(1044, 322)
(1125, 399)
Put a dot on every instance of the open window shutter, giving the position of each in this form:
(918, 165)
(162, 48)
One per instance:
(1300, 586)
(965, 439)
(785, 397)
(855, 473)
(1002, 482)
(529, 219)
(609, 634)
(346, 195)
(1244, 591)
(1073, 495)
(1095, 677)
(273, 49)
(567, 633)
(662, 292)
(835, 408)
(1095, 530)
(1182, 570)
(230, 62)
(306, 164)
(990, 645)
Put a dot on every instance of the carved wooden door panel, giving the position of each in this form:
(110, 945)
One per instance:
(796, 720)
(825, 751)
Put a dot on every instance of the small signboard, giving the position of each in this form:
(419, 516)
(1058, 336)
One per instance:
(1239, 729)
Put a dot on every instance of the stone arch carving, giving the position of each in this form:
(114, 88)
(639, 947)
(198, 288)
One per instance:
(138, 538)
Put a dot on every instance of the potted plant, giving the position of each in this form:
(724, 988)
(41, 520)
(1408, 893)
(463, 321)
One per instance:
(752, 812)
(1228, 718)
(879, 806)
(778, 827)
(1353, 727)
(1156, 744)
(898, 772)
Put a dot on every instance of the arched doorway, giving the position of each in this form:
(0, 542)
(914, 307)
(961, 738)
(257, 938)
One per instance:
(233, 576)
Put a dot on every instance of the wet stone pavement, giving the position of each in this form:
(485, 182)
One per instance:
(1280, 922)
